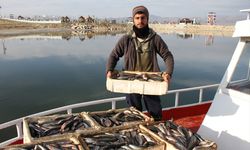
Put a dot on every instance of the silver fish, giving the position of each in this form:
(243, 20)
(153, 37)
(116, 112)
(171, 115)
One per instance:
(134, 147)
(192, 142)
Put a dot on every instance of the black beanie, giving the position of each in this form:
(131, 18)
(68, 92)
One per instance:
(141, 9)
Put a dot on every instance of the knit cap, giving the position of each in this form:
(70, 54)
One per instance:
(141, 9)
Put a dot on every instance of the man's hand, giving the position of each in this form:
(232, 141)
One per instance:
(166, 77)
(109, 74)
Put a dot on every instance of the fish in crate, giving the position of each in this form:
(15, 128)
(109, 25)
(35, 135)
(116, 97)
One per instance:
(39, 127)
(58, 143)
(119, 117)
(147, 83)
(178, 137)
(129, 139)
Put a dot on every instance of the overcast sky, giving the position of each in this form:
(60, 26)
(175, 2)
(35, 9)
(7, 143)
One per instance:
(122, 8)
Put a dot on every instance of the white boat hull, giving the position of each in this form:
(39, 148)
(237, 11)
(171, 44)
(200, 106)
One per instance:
(224, 122)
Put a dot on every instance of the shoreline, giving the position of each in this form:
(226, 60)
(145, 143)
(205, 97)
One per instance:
(216, 30)
(12, 28)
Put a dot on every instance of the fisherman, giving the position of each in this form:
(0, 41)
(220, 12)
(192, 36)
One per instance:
(140, 48)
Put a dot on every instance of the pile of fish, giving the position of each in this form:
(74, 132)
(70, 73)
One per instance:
(111, 119)
(140, 77)
(58, 125)
(59, 145)
(180, 137)
(123, 140)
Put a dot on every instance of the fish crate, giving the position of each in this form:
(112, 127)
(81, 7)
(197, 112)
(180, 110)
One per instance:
(139, 86)
(36, 128)
(59, 142)
(118, 118)
(177, 137)
(131, 138)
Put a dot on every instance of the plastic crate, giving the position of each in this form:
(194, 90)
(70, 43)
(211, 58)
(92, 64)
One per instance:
(137, 86)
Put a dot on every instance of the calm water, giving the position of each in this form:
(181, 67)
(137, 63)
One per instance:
(38, 74)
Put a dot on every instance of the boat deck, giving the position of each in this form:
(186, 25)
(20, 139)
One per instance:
(190, 117)
(242, 87)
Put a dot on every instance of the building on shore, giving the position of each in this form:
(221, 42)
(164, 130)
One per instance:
(211, 18)
(186, 21)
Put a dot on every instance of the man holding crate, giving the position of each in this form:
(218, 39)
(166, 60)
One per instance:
(140, 48)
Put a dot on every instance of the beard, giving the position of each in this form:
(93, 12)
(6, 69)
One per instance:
(141, 32)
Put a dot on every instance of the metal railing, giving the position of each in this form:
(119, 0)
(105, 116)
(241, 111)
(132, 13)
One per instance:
(113, 101)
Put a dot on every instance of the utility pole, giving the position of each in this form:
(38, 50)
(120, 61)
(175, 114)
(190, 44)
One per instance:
(0, 12)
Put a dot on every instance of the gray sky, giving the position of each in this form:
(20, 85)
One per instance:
(122, 8)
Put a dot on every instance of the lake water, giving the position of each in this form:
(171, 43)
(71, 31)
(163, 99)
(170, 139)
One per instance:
(37, 74)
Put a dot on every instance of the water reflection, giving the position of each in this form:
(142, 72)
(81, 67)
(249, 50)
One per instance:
(67, 35)
(185, 35)
(49, 71)
(4, 48)
(82, 35)
(209, 40)
(45, 41)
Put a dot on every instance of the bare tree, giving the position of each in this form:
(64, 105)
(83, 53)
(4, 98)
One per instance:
(20, 17)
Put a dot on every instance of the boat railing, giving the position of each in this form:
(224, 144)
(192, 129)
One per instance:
(201, 91)
(113, 101)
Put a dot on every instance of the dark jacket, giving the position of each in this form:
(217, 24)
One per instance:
(126, 47)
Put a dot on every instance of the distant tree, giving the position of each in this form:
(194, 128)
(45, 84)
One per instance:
(20, 17)
(62, 19)
(67, 19)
